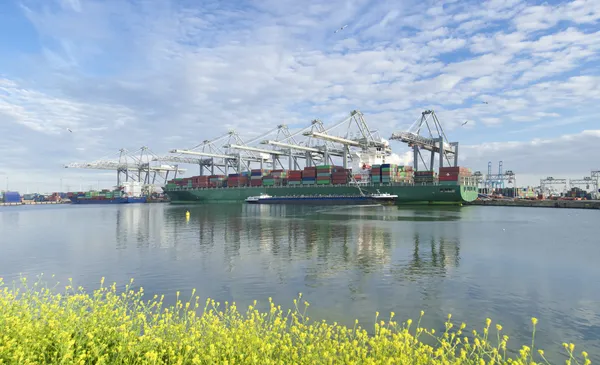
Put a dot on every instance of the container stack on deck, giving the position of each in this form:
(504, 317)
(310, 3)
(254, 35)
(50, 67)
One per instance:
(275, 178)
(453, 175)
(424, 177)
(200, 181)
(294, 177)
(309, 176)
(340, 175)
(376, 174)
(217, 181)
(404, 174)
(236, 180)
(324, 174)
(256, 177)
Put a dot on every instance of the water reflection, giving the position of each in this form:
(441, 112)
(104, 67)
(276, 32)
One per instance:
(348, 261)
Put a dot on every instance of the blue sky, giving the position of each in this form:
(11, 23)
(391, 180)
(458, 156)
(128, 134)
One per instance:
(169, 74)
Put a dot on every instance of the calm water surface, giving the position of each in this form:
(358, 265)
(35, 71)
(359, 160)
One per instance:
(508, 264)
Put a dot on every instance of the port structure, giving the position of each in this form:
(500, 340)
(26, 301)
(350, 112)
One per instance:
(317, 144)
(426, 133)
(309, 146)
(211, 155)
(596, 176)
(547, 184)
(230, 152)
(587, 182)
(137, 166)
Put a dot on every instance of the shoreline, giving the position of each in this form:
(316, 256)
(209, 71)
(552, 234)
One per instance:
(568, 204)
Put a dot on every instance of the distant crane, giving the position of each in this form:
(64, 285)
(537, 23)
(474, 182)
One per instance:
(547, 183)
(493, 181)
(133, 166)
(588, 182)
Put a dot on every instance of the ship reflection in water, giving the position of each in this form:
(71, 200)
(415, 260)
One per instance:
(349, 262)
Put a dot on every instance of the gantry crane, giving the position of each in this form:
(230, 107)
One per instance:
(213, 150)
(314, 144)
(547, 183)
(434, 141)
(364, 139)
(133, 166)
(596, 176)
(587, 181)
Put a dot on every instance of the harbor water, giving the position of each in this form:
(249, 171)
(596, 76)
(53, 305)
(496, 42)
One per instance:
(505, 263)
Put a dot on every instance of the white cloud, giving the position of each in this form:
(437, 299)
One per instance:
(169, 75)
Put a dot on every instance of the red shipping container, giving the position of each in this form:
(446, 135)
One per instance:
(448, 178)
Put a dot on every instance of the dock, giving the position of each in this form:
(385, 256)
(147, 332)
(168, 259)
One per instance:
(32, 203)
(570, 204)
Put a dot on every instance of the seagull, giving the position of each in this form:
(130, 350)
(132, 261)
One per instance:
(466, 121)
(342, 28)
(69, 130)
(485, 102)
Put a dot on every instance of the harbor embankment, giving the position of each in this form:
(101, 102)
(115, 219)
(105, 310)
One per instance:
(573, 204)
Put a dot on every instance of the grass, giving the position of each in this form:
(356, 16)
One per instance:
(38, 325)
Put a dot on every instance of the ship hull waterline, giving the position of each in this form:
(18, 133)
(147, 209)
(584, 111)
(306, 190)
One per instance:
(318, 200)
(407, 194)
(126, 200)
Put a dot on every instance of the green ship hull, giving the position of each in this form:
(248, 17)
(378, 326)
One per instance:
(407, 194)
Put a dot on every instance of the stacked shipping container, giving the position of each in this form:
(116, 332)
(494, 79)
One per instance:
(324, 174)
(453, 175)
(237, 180)
(320, 175)
(256, 177)
(340, 175)
(376, 174)
(424, 177)
(294, 177)
(275, 178)
(309, 176)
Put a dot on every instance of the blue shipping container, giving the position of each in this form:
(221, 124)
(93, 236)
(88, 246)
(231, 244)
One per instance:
(12, 197)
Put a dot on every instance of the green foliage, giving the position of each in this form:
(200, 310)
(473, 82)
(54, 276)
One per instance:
(40, 326)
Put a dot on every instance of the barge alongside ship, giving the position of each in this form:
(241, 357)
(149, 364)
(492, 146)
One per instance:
(378, 198)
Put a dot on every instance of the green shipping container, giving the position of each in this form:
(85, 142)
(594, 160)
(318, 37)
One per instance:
(323, 182)
(449, 183)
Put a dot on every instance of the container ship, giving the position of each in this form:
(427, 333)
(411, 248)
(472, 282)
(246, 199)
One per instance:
(130, 192)
(452, 185)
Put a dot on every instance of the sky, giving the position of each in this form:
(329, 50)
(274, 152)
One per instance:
(171, 73)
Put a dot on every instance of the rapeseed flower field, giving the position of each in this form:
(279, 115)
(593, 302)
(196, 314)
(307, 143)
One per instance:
(39, 325)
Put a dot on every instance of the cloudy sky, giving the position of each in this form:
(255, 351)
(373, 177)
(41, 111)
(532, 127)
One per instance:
(171, 73)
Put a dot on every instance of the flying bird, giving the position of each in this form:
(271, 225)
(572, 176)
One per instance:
(466, 121)
(485, 102)
(69, 130)
(342, 28)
